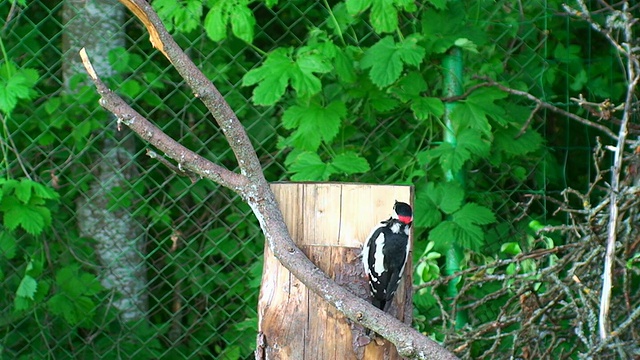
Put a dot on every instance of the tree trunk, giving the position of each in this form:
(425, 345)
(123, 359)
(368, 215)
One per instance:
(98, 25)
(329, 223)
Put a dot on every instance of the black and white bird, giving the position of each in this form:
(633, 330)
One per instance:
(385, 254)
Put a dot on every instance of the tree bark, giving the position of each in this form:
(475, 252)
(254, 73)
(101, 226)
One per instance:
(98, 25)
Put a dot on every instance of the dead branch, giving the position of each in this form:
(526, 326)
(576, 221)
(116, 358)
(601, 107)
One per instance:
(545, 105)
(623, 21)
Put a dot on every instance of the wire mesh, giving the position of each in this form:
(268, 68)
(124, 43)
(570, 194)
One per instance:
(196, 247)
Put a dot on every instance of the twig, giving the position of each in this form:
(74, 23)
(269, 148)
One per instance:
(524, 127)
(635, 315)
(543, 104)
(496, 264)
(585, 14)
(176, 169)
(466, 93)
(632, 75)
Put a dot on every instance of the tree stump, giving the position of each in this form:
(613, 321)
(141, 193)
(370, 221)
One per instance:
(329, 222)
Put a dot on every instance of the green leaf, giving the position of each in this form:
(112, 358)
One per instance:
(52, 105)
(349, 163)
(426, 212)
(466, 44)
(131, 88)
(409, 87)
(307, 166)
(21, 303)
(468, 236)
(443, 234)
(446, 197)
(74, 312)
(43, 191)
(438, 4)
(17, 86)
(442, 29)
(579, 80)
(472, 213)
(384, 13)
(8, 245)
(631, 261)
(505, 141)
(76, 283)
(23, 190)
(275, 73)
(511, 248)
(215, 23)
(410, 52)
(27, 288)
(473, 142)
(303, 80)
(313, 123)
(118, 59)
(341, 20)
(242, 21)
(452, 157)
(273, 77)
(344, 66)
(424, 106)
(32, 218)
(431, 199)
(567, 54)
(473, 112)
(384, 16)
(449, 197)
(386, 59)
(184, 15)
(354, 7)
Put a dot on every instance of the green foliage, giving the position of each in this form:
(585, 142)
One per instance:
(15, 84)
(475, 111)
(308, 166)
(352, 93)
(222, 13)
(313, 124)
(386, 58)
(24, 204)
(280, 69)
(427, 267)
(384, 14)
(74, 292)
(183, 16)
(441, 207)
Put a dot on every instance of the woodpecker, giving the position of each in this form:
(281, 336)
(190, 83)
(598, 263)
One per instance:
(385, 254)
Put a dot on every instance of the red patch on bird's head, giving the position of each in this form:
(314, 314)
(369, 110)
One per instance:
(405, 219)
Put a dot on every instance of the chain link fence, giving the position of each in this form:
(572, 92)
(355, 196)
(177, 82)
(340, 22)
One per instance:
(139, 262)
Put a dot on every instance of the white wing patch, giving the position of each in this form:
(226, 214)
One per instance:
(378, 265)
(365, 257)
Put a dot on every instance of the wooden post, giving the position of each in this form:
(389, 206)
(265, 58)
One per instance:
(329, 222)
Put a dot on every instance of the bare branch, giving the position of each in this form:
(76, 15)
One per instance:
(151, 133)
(624, 21)
(543, 104)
